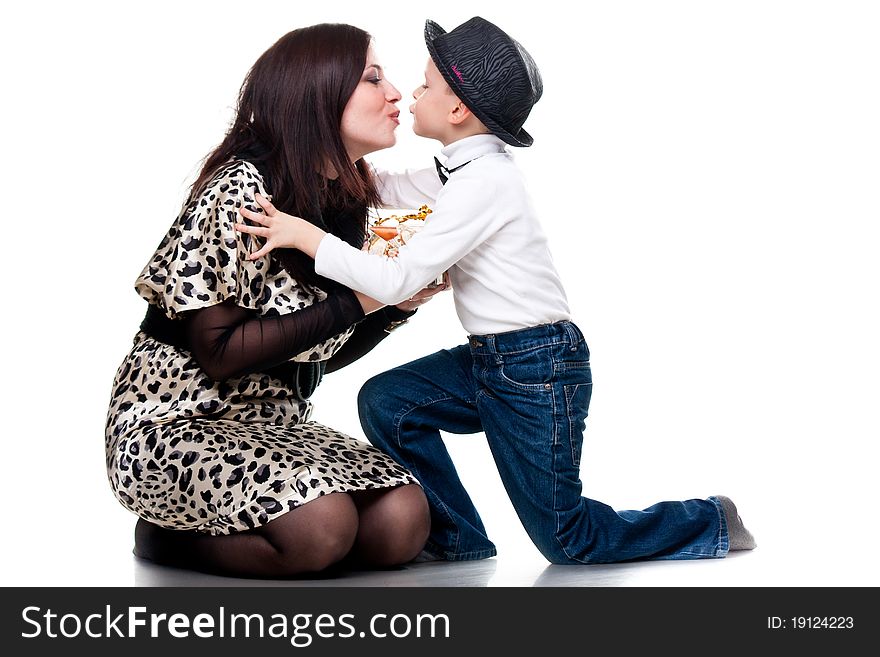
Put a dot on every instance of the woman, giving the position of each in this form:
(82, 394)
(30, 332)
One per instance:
(208, 438)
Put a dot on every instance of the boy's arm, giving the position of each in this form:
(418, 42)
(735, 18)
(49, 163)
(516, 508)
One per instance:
(464, 220)
(410, 189)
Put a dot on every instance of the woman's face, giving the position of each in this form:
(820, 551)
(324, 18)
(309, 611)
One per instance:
(370, 116)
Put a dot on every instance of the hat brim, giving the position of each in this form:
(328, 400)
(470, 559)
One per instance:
(432, 31)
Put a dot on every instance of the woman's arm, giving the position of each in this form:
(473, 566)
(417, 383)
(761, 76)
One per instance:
(375, 327)
(228, 341)
(368, 333)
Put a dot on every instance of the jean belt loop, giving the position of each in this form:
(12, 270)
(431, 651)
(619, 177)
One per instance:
(572, 335)
(492, 347)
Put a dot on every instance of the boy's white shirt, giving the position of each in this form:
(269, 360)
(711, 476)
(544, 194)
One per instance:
(482, 230)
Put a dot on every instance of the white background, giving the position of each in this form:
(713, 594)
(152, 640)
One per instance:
(707, 174)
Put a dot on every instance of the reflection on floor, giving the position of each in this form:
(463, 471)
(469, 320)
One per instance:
(488, 572)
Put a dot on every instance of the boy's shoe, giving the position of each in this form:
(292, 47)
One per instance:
(739, 537)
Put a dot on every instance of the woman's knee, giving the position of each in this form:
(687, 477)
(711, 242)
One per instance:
(314, 536)
(411, 515)
(394, 526)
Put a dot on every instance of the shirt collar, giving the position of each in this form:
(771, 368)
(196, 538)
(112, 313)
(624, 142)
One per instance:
(469, 148)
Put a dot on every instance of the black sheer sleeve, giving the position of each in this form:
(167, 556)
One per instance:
(227, 340)
(369, 332)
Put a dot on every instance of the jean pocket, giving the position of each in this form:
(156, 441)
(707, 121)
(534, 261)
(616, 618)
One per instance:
(531, 370)
(577, 406)
(579, 368)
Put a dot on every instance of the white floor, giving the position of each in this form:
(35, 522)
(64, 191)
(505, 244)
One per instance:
(492, 572)
(101, 556)
(769, 565)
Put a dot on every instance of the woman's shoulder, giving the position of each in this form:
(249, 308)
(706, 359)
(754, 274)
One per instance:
(202, 260)
(235, 172)
(232, 181)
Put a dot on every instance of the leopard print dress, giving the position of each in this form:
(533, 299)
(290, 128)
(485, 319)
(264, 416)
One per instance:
(186, 452)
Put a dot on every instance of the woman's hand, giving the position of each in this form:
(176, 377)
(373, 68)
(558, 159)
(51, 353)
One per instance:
(424, 295)
(280, 230)
(369, 304)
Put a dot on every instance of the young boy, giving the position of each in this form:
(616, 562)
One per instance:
(524, 376)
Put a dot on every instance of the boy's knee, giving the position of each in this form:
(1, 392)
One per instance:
(555, 548)
(370, 395)
(556, 554)
(551, 550)
(374, 407)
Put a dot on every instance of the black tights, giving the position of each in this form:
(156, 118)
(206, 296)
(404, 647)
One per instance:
(364, 529)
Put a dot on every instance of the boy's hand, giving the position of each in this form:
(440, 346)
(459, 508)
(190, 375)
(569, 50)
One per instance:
(280, 230)
(423, 296)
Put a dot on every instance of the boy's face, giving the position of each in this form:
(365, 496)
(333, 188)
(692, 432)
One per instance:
(434, 101)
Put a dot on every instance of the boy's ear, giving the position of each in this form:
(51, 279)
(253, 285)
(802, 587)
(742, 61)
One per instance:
(459, 114)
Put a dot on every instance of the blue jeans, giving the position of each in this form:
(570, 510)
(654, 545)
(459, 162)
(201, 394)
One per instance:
(529, 392)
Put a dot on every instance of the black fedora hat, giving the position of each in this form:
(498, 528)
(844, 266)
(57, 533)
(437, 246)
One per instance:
(490, 72)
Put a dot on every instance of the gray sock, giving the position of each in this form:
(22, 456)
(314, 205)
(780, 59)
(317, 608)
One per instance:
(740, 538)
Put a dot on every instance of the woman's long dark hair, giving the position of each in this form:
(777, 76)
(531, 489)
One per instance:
(287, 124)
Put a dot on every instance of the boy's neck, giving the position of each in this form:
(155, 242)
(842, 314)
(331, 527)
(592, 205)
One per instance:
(449, 140)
